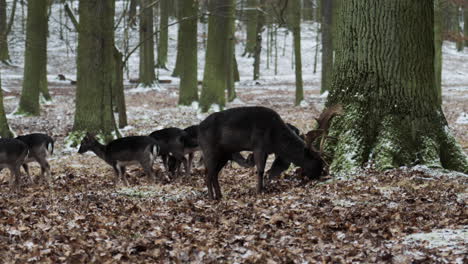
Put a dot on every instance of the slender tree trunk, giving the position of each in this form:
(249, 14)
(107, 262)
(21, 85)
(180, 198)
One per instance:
(327, 44)
(230, 53)
(5, 131)
(4, 53)
(188, 47)
(251, 14)
(458, 29)
(214, 77)
(438, 41)
(95, 61)
(118, 88)
(147, 75)
(179, 59)
(260, 19)
(163, 33)
(296, 28)
(35, 62)
(132, 13)
(392, 116)
(465, 23)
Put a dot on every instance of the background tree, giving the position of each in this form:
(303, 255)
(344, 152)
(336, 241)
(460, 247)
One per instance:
(187, 49)
(230, 57)
(387, 86)
(5, 29)
(438, 41)
(5, 131)
(35, 62)
(260, 19)
(251, 16)
(147, 75)
(465, 22)
(95, 68)
(295, 21)
(163, 33)
(327, 44)
(214, 77)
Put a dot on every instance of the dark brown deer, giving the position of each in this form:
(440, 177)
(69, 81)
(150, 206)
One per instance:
(122, 152)
(40, 146)
(257, 129)
(13, 153)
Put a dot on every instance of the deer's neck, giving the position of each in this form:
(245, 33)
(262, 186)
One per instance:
(100, 150)
(290, 146)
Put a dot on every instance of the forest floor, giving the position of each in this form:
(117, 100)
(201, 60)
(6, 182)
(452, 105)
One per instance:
(401, 216)
(404, 215)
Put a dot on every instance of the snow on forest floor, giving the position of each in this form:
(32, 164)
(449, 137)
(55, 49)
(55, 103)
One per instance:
(405, 215)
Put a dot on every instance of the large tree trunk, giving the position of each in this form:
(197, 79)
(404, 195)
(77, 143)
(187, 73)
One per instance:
(327, 44)
(95, 60)
(385, 80)
(251, 15)
(296, 29)
(147, 75)
(214, 76)
(163, 33)
(188, 47)
(35, 61)
(465, 23)
(5, 131)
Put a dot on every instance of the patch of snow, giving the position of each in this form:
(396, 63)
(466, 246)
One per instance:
(304, 104)
(454, 240)
(238, 101)
(462, 119)
(195, 105)
(324, 95)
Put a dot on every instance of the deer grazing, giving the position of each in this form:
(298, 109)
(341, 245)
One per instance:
(13, 153)
(257, 129)
(40, 146)
(122, 152)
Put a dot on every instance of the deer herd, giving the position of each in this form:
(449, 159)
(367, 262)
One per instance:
(220, 138)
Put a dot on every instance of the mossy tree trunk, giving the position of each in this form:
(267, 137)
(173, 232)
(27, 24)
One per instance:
(147, 74)
(187, 49)
(214, 76)
(251, 16)
(230, 53)
(164, 6)
(95, 61)
(438, 41)
(35, 62)
(327, 44)
(296, 29)
(385, 80)
(5, 131)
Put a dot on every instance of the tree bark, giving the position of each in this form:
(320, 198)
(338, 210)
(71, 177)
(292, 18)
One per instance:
(465, 23)
(118, 88)
(214, 77)
(147, 74)
(95, 60)
(385, 80)
(5, 131)
(188, 47)
(163, 33)
(35, 63)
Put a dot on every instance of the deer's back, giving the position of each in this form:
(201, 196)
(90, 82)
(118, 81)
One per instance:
(129, 148)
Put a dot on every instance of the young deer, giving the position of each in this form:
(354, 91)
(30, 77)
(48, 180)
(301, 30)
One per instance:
(13, 153)
(40, 146)
(171, 142)
(257, 129)
(122, 152)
